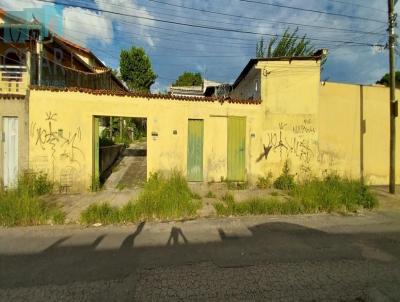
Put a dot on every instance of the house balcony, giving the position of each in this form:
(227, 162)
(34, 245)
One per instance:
(14, 79)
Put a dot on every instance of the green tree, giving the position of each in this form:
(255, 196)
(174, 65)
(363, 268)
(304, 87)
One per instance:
(288, 45)
(136, 70)
(385, 79)
(260, 49)
(189, 79)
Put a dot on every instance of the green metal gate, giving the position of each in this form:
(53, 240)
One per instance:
(195, 150)
(236, 148)
(96, 155)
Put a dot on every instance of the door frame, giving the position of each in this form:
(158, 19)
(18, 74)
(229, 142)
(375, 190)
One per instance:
(95, 154)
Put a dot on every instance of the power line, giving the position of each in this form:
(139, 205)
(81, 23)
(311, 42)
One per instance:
(358, 5)
(193, 25)
(312, 10)
(260, 19)
(168, 30)
(212, 43)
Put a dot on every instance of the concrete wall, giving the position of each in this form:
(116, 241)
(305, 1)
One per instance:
(15, 107)
(61, 132)
(250, 86)
(108, 155)
(354, 131)
(315, 127)
(290, 95)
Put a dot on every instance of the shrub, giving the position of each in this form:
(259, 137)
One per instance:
(167, 198)
(162, 198)
(264, 182)
(210, 194)
(36, 184)
(23, 206)
(334, 193)
(250, 207)
(286, 180)
(331, 194)
(232, 185)
(105, 141)
(102, 213)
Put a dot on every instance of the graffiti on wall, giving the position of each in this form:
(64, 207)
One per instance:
(297, 140)
(62, 144)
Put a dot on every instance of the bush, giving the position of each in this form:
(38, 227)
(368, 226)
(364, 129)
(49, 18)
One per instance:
(250, 207)
(22, 205)
(285, 181)
(102, 213)
(334, 193)
(105, 141)
(331, 194)
(162, 198)
(37, 184)
(264, 182)
(210, 194)
(232, 185)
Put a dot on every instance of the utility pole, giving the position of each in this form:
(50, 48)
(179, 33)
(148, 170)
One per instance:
(393, 102)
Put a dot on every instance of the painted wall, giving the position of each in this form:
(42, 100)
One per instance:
(290, 94)
(315, 127)
(354, 131)
(61, 132)
(249, 88)
(15, 107)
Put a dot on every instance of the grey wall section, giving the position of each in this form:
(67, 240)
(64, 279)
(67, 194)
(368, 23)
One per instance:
(108, 155)
(15, 106)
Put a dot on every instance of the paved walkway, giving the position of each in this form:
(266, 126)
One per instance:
(302, 258)
(131, 171)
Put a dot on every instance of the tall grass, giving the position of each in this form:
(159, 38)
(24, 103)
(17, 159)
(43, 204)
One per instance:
(22, 205)
(162, 198)
(331, 194)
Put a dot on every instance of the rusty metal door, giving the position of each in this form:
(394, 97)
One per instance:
(195, 150)
(236, 148)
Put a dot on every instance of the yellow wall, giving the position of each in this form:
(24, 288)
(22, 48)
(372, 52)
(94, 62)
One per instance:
(61, 132)
(315, 127)
(290, 94)
(341, 145)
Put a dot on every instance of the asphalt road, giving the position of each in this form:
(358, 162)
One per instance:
(306, 258)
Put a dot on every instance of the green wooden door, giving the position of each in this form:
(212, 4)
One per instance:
(236, 148)
(195, 150)
(96, 155)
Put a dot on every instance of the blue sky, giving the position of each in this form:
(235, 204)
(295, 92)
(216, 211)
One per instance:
(221, 55)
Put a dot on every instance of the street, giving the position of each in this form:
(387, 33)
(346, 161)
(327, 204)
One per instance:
(302, 258)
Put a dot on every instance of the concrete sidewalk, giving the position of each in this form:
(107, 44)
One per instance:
(302, 258)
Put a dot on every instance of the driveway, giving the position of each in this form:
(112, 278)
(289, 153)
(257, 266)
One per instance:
(302, 258)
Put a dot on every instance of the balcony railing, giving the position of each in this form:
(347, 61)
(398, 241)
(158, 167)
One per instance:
(13, 79)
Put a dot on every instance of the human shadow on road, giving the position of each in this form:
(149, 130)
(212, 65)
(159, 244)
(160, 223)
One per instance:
(129, 241)
(269, 243)
(174, 237)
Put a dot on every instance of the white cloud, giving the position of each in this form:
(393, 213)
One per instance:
(80, 25)
(21, 4)
(130, 7)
